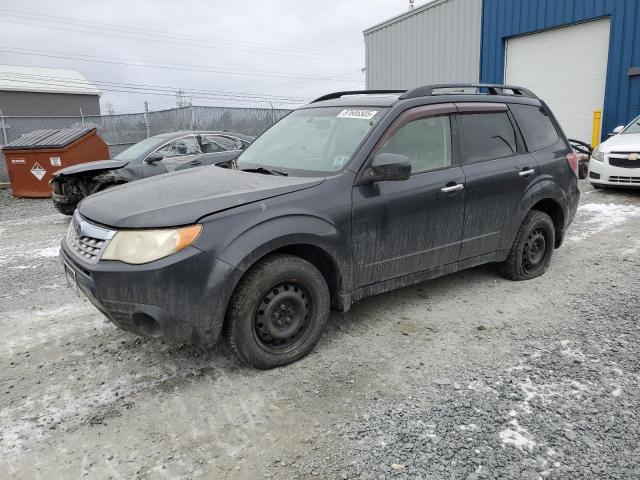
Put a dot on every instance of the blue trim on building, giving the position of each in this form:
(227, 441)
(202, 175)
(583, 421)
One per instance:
(502, 19)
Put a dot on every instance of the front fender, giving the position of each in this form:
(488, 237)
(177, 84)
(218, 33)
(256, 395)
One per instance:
(242, 248)
(284, 231)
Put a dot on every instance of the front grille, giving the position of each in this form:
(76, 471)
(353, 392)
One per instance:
(628, 180)
(87, 241)
(623, 162)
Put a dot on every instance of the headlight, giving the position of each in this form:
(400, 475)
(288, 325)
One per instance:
(597, 155)
(143, 246)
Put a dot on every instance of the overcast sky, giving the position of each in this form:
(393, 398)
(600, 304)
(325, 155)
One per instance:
(277, 48)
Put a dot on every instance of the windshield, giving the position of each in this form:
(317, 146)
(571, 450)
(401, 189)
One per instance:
(634, 127)
(140, 148)
(312, 141)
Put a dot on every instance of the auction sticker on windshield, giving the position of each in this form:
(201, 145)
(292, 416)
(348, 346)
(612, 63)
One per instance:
(360, 114)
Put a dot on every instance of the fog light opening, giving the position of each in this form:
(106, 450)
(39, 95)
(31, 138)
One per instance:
(146, 324)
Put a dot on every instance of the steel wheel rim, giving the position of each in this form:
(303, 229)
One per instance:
(535, 250)
(282, 317)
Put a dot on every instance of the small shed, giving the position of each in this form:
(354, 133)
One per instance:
(34, 157)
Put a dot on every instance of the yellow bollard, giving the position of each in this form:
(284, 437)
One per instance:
(595, 136)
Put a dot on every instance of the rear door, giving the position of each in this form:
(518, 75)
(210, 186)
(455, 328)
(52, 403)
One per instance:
(404, 227)
(497, 172)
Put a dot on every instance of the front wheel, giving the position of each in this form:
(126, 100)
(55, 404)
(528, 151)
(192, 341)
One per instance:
(278, 312)
(532, 249)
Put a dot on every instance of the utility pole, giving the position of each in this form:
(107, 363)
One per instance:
(4, 128)
(273, 119)
(179, 101)
(146, 119)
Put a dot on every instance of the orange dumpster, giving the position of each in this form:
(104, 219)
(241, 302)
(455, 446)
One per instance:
(32, 158)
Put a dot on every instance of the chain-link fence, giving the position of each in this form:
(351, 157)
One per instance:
(122, 131)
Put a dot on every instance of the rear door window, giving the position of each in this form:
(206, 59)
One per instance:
(487, 136)
(536, 126)
(224, 142)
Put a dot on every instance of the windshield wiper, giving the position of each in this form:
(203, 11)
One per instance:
(268, 171)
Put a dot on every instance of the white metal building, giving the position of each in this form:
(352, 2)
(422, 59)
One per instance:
(38, 91)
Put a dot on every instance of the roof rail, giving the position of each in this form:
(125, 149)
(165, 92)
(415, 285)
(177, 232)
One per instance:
(493, 89)
(331, 96)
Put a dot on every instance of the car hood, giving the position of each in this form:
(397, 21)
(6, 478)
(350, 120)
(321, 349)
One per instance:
(184, 197)
(622, 143)
(91, 166)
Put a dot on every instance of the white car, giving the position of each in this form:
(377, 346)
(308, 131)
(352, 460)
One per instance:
(616, 162)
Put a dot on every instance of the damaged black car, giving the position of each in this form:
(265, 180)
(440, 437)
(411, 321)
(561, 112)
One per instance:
(163, 153)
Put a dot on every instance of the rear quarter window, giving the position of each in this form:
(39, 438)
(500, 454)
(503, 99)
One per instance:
(536, 126)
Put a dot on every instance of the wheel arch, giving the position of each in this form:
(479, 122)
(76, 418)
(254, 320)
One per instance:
(554, 209)
(319, 255)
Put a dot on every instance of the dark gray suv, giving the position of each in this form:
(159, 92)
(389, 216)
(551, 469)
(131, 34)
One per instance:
(353, 195)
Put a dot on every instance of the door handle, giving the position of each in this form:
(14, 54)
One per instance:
(527, 173)
(453, 188)
(195, 162)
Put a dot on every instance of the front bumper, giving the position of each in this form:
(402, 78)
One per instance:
(602, 173)
(181, 298)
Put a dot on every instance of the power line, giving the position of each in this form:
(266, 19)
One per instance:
(62, 81)
(160, 92)
(167, 66)
(163, 34)
(161, 37)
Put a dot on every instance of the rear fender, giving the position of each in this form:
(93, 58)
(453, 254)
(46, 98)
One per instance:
(545, 189)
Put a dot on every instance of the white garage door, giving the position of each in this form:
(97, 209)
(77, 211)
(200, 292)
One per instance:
(567, 68)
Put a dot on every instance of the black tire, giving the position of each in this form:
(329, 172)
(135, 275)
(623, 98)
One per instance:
(65, 208)
(278, 312)
(583, 169)
(532, 249)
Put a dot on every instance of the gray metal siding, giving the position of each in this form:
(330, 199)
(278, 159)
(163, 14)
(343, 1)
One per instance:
(436, 43)
(14, 103)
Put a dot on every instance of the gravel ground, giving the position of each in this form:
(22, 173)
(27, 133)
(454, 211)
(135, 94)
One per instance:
(467, 377)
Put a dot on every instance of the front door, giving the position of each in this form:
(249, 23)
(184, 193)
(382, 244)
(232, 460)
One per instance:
(183, 152)
(404, 227)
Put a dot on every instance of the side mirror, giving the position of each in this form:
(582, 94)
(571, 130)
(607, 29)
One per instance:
(388, 167)
(618, 130)
(154, 157)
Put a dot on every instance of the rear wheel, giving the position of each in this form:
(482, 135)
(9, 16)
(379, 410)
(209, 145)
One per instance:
(278, 312)
(65, 208)
(532, 249)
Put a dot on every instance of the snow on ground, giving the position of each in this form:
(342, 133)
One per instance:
(593, 218)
